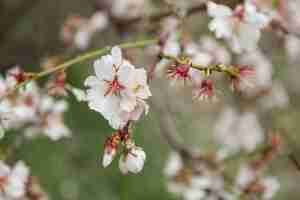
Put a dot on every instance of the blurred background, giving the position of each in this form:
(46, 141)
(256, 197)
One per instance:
(70, 169)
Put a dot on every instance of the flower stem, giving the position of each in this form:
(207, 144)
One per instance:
(85, 57)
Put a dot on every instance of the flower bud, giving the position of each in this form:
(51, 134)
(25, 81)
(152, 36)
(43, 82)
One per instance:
(133, 161)
(110, 150)
(109, 154)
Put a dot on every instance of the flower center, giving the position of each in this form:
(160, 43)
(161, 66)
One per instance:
(114, 87)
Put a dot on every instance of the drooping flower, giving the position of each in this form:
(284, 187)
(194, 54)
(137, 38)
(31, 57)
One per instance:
(132, 161)
(117, 89)
(240, 27)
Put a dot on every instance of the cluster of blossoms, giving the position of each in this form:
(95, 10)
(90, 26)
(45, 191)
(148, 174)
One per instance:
(78, 31)
(133, 157)
(118, 92)
(235, 132)
(205, 178)
(240, 27)
(17, 183)
(31, 108)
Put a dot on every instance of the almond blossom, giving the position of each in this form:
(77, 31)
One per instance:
(235, 131)
(128, 9)
(13, 180)
(132, 161)
(78, 31)
(50, 121)
(250, 180)
(119, 90)
(240, 27)
(194, 183)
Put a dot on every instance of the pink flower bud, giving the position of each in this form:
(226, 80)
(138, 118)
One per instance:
(110, 150)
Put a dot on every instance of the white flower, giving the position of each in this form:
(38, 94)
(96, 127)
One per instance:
(27, 103)
(271, 186)
(262, 78)
(238, 131)
(172, 48)
(117, 89)
(235, 26)
(276, 97)
(194, 194)
(82, 39)
(79, 30)
(14, 180)
(133, 161)
(174, 164)
(50, 122)
(128, 9)
(292, 47)
(245, 176)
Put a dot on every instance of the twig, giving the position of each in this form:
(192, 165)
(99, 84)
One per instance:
(85, 57)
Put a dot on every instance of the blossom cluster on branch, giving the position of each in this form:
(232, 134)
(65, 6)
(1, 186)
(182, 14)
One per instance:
(120, 92)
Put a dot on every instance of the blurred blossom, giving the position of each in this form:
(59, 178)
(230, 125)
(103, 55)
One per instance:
(238, 131)
(235, 25)
(244, 79)
(292, 46)
(128, 9)
(170, 47)
(26, 109)
(173, 164)
(195, 183)
(78, 31)
(250, 180)
(13, 181)
(50, 121)
(262, 78)
(277, 96)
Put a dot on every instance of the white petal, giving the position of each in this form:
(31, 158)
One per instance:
(116, 54)
(125, 73)
(92, 81)
(122, 165)
(216, 10)
(223, 28)
(135, 160)
(107, 159)
(104, 68)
